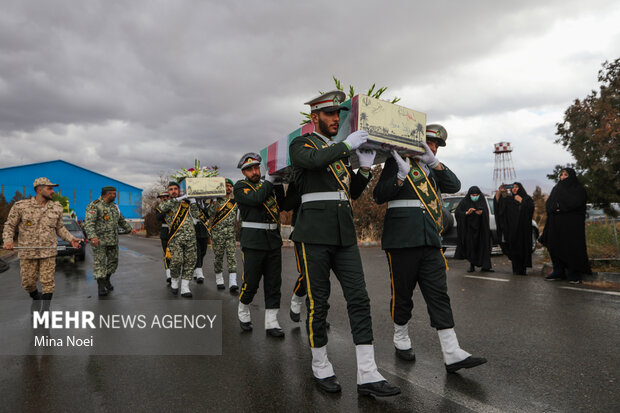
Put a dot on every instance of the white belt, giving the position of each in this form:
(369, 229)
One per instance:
(164, 225)
(405, 203)
(258, 225)
(324, 196)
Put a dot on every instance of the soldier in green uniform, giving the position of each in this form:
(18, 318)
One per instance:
(101, 226)
(163, 233)
(412, 241)
(223, 237)
(326, 238)
(179, 211)
(261, 243)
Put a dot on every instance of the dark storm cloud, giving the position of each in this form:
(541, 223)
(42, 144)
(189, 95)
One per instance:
(140, 88)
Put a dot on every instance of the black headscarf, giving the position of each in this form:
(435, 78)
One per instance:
(564, 234)
(474, 233)
(515, 219)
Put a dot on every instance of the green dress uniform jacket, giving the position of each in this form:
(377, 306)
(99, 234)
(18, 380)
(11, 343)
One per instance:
(410, 227)
(251, 209)
(323, 222)
(102, 222)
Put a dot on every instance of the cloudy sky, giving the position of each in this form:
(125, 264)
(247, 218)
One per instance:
(138, 89)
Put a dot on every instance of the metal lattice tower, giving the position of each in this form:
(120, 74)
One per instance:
(504, 171)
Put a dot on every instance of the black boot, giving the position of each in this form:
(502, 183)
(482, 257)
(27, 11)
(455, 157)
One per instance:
(35, 295)
(471, 268)
(108, 285)
(101, 287)
(46, 300)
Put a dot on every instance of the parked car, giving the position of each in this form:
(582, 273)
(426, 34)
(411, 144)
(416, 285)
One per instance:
(595, 214)
(450, 235)
(64, 247)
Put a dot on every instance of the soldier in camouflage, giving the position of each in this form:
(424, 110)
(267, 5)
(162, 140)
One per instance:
(163, 233)
(224, 211)
(101, 226)
(182, 239)
(39, 222)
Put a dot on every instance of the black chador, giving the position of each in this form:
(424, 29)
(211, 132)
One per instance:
(474, 234)
(564, 234)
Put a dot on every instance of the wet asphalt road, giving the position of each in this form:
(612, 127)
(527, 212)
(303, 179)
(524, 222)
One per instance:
(550, 349)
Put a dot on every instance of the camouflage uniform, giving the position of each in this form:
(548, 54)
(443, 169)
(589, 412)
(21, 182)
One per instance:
(102, 222)
(224, 237)
(39, 226)
(182, 245)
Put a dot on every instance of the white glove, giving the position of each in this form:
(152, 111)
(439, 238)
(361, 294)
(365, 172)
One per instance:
(403, 166)
(192, 200)
(427, 157)
(181, 198)
(356, 139)
(269, 178)
(366, 157)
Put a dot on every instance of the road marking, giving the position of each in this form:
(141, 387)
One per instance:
(592, 291)
(454, 396)
(487, 278)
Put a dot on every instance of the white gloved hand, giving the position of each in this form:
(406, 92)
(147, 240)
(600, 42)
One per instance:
(269, 178)
(192, 200)
(366, 157)
(180, 198)
(427, 157)
(403, 166)
(356, 139)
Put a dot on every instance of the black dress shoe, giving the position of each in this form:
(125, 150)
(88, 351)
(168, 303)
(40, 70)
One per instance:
(175, 291)
(468, 363)
(487, 270)
(554, 277)
(275, 332)
(407, 355)
(200, 280)
(471, 269)
(101, 290)
(329, 384)
(246, 326)
(380, 389)
(221, 286)
(294, 316)
(327, 324)
(187, 295)
(168, 280)
(233, 288)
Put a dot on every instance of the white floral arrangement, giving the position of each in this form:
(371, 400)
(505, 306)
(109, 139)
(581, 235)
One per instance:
(195, 172)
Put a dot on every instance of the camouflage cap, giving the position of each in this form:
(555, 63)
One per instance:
(42, 182)
(173, 183)
(230, 181)
(108, 188)
(162, 194)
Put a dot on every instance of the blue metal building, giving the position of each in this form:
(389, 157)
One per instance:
(78, 184)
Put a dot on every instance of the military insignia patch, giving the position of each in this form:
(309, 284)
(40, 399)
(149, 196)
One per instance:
(246, 190)
(28, 223)
(106, 217)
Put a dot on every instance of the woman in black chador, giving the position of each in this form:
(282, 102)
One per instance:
(474, 234)
(513, 215)
(565, 234)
